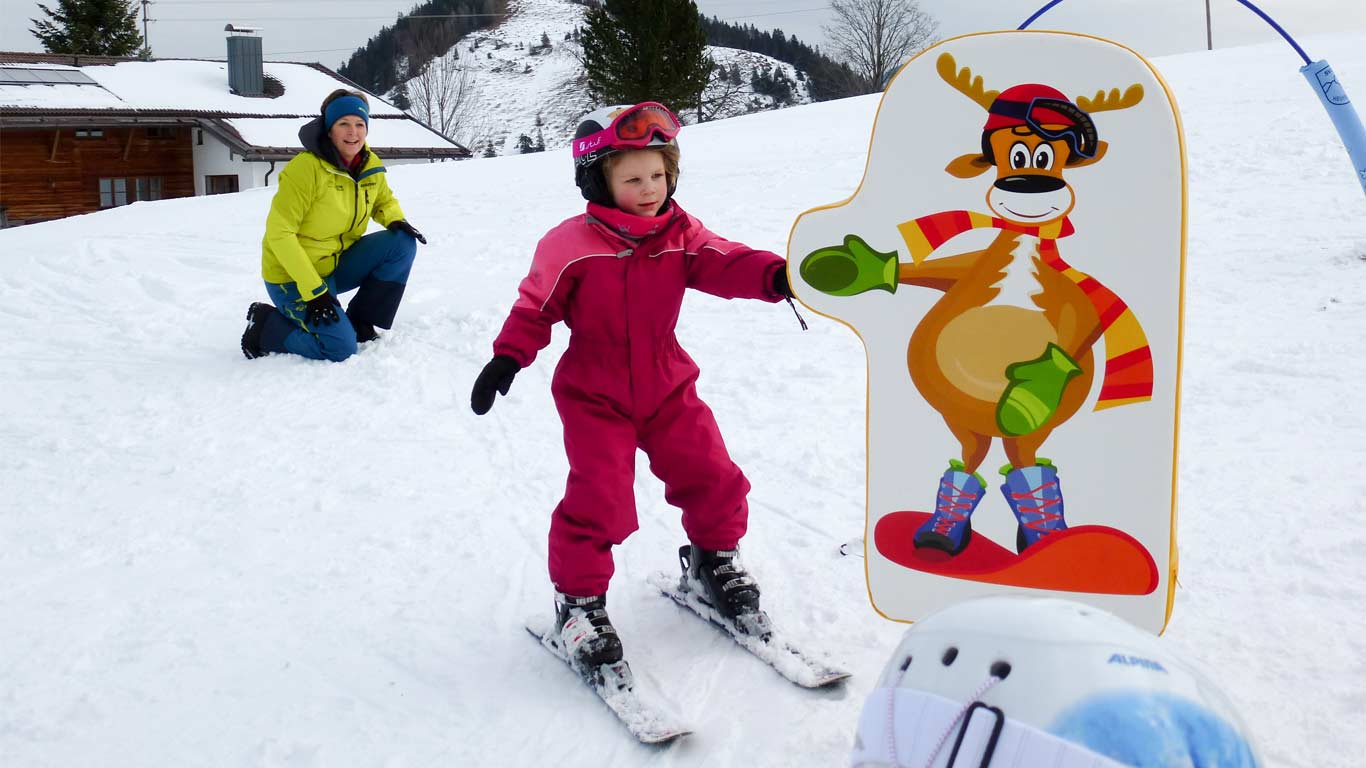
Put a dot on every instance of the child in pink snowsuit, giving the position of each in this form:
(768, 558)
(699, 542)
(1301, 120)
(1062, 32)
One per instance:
(616, 276)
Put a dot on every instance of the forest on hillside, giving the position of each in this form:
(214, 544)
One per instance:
(827, 79)
(396, 53)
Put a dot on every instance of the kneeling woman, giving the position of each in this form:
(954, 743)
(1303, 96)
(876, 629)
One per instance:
(316, 248)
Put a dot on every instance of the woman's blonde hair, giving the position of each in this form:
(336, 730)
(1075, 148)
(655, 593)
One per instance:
(669, 152)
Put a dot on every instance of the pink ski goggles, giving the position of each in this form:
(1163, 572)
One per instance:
(634, 128)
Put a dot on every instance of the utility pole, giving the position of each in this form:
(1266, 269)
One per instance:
(148, 43)
(1209, 32)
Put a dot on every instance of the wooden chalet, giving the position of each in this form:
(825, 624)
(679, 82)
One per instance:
(79, 134)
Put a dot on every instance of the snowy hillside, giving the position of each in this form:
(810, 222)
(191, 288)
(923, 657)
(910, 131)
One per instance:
(517, 87)
(208, 561)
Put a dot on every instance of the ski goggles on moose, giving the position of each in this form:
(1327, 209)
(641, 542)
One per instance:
(634, 128)
(1080, 136)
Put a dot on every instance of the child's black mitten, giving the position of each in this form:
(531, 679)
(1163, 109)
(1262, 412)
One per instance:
(496, 376)
(780, 284)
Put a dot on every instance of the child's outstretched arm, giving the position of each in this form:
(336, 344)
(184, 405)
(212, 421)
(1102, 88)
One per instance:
(540, 304)
(734, 270)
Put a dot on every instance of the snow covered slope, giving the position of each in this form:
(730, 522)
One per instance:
(206, 561)
(519, 88)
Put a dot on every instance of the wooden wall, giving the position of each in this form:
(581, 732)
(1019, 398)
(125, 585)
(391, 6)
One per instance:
(37, 183)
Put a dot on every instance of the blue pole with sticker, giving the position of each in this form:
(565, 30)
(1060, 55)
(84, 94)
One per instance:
(1320, 76)
(1345, 118)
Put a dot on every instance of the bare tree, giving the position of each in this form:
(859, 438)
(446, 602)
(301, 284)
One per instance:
(722, 97)
(439, 88)
(440, 92)
(874, 37)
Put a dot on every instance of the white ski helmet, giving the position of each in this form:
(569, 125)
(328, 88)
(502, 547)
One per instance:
(1000, 682)
(612, 129)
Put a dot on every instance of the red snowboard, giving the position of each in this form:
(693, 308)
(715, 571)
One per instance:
(1087, 558)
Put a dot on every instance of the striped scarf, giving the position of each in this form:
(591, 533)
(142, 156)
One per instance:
(1128, 376)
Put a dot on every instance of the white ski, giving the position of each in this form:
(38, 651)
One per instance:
(778, 652)
(614, 684)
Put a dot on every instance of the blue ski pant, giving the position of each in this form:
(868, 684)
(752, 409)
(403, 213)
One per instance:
(378, 265)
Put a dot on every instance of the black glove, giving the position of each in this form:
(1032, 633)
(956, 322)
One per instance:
(780, 284)
(322, 310)
(402, 225)
(497, 375)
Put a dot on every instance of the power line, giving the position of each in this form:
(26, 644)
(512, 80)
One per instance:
(774, 13)
(336, 18)
(318, 50)
(434, 16)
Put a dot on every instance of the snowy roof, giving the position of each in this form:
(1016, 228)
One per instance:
(180, 85)
(197, 88)
(384, 133)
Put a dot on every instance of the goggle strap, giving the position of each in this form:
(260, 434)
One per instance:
(1081, 137)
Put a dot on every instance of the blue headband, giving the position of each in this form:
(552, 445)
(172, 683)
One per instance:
(346, 105)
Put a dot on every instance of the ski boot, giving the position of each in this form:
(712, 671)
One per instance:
(587, 634)
(1035, 497)
(949, 529)
(251, 337)
(720, 580)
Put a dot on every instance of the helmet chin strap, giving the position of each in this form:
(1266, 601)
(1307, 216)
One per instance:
(948, 729)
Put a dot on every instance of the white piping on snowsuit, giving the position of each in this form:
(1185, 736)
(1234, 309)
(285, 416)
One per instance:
(620, 255)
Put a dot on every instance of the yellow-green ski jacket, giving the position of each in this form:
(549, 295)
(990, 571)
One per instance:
(318, 211)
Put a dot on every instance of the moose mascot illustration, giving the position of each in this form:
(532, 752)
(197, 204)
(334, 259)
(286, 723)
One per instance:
(1007, 352)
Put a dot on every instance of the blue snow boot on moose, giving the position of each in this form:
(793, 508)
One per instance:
(586, 632)
(718, 577)
(1035, 497)
(949, 529)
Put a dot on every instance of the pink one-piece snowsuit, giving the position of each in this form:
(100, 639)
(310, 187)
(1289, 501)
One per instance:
(623, 383)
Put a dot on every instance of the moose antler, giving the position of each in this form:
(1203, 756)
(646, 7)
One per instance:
(1107, 101)
(963, 81)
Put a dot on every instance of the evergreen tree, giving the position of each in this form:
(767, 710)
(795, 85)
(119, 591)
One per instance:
(524, 145)
(401, 98)
(646, 50)
(490, 150)
(91, 27)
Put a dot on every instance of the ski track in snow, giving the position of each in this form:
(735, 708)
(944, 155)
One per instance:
(209, 561)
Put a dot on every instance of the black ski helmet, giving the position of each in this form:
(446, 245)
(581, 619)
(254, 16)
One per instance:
(588, 167)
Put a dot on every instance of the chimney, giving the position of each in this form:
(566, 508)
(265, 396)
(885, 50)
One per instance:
(245, 72)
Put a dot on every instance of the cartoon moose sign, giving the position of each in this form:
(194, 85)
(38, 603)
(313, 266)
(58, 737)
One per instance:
(1041, 291)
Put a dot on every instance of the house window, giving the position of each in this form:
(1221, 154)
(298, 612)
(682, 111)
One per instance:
(148, 188)
(199, 137)
(220, 185)
(89, 133)
(161, 132)
(113, 192)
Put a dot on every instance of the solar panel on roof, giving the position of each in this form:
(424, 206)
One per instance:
(26, 76)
